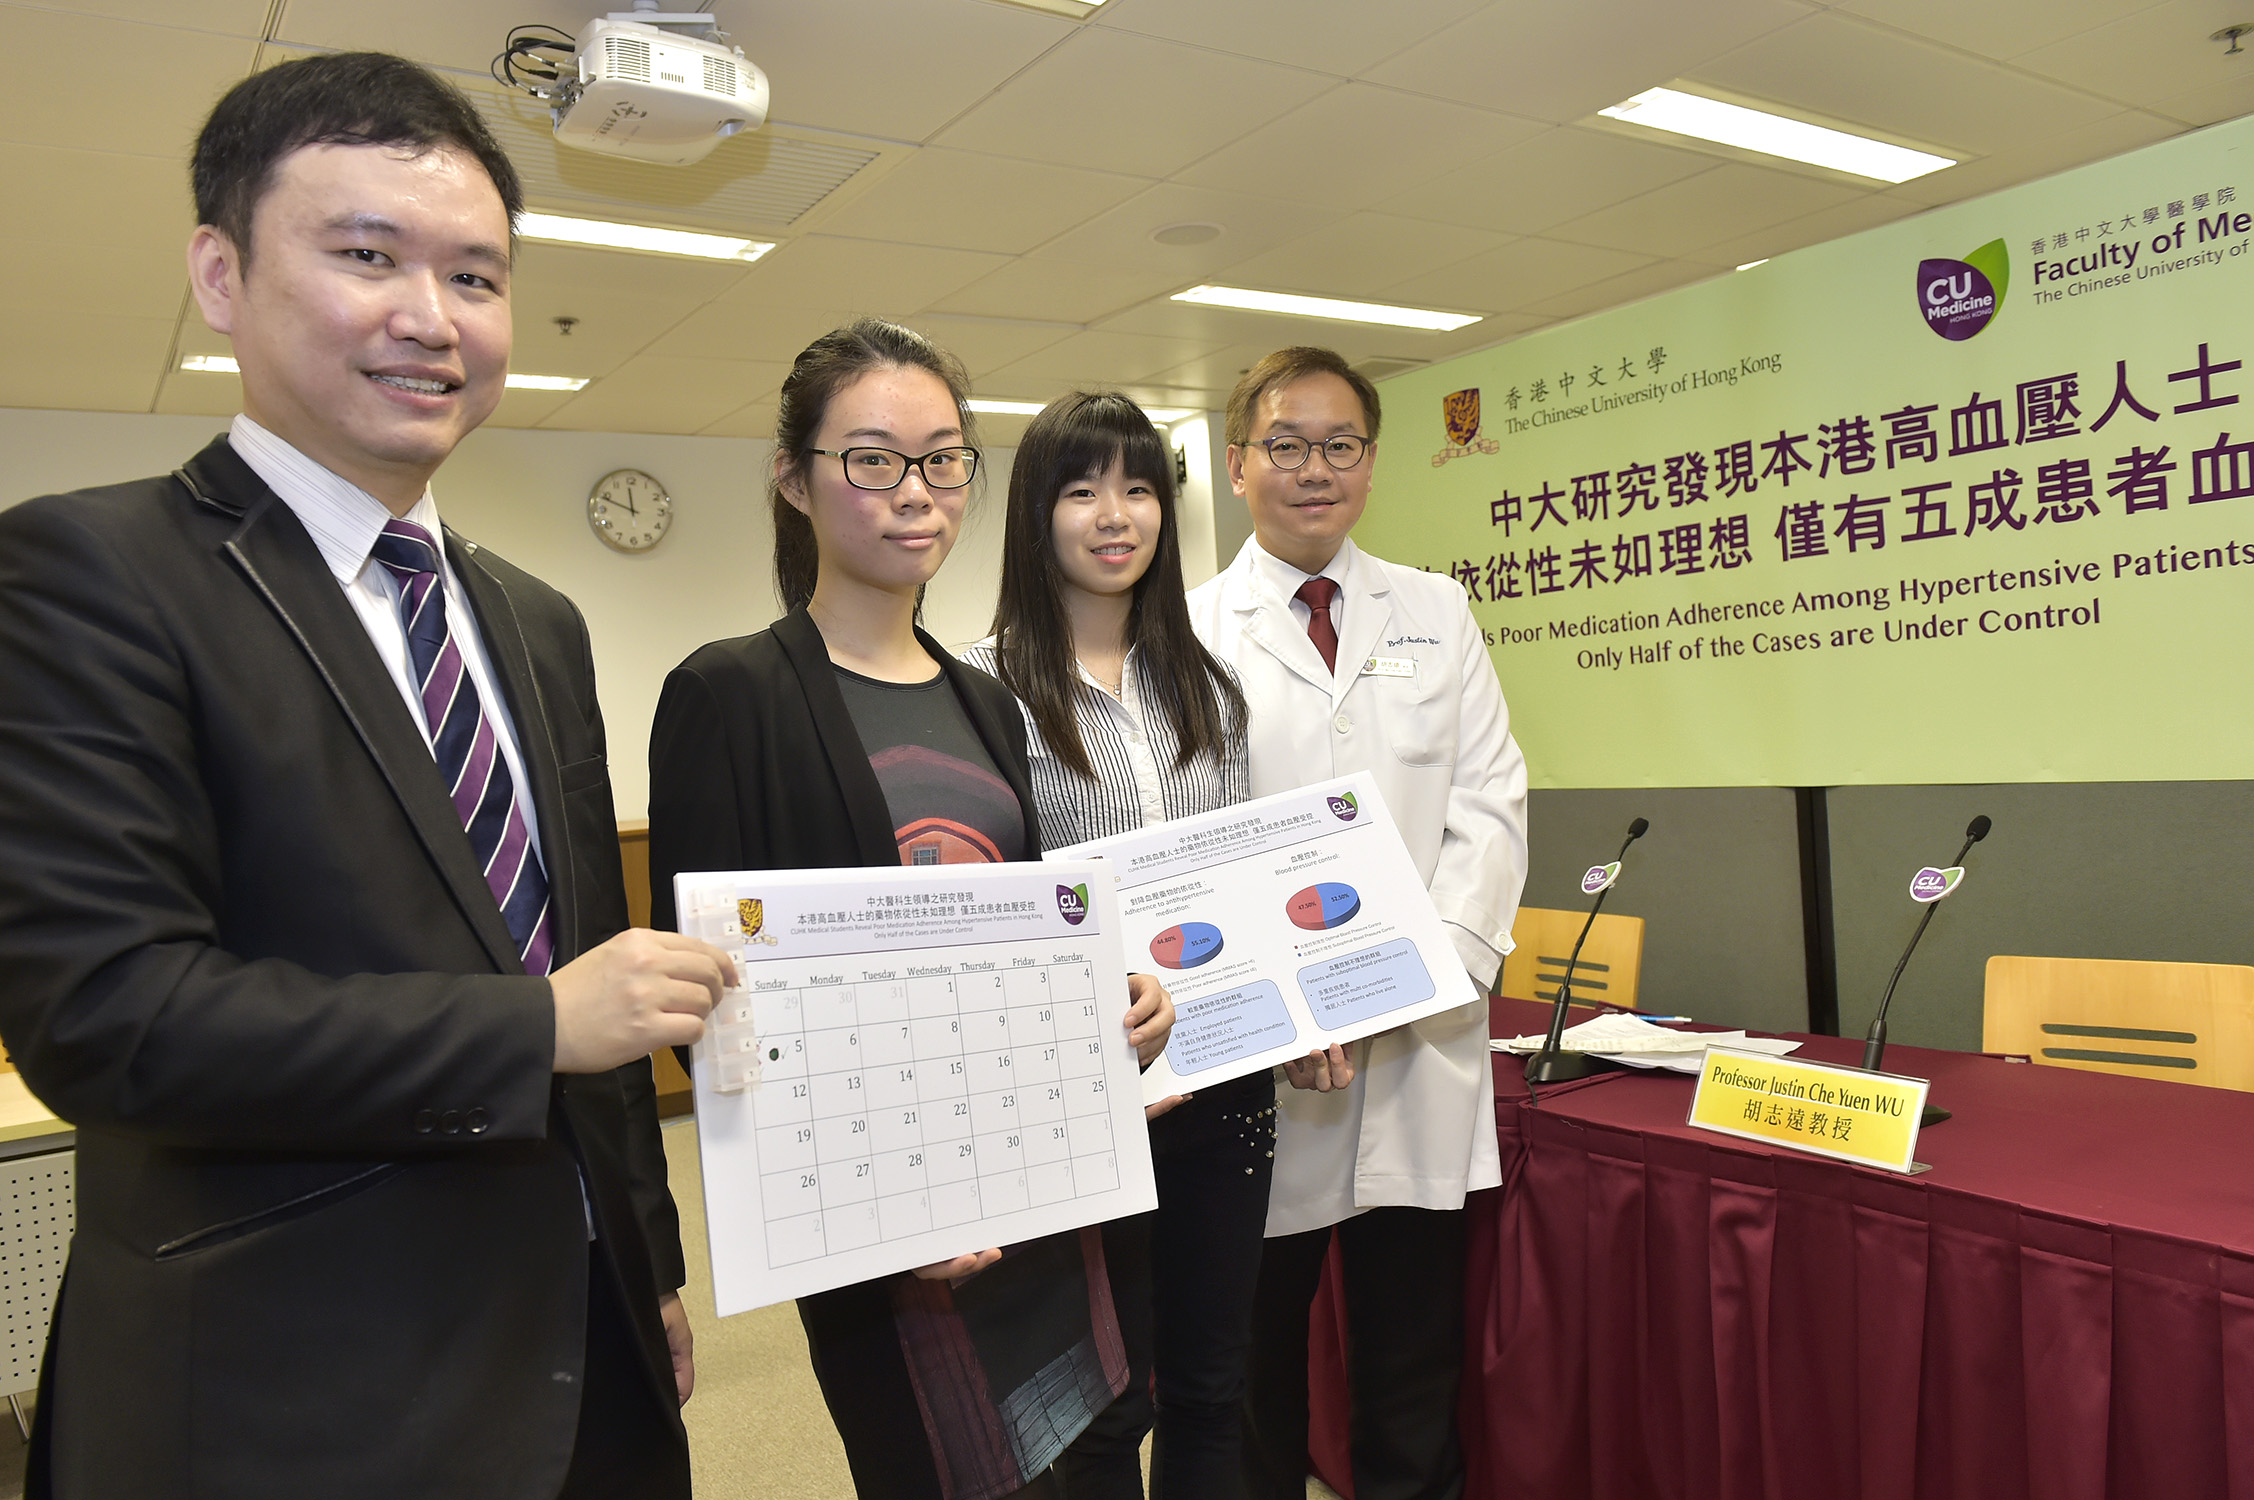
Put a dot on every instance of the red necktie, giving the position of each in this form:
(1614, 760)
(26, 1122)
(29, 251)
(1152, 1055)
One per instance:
(1316, 594)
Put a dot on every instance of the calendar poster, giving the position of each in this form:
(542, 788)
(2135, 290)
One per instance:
(1279, 926)
(918, 1063)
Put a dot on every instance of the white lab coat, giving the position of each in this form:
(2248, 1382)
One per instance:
(1416, 1128)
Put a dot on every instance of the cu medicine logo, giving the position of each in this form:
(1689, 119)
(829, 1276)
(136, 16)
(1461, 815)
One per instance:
(1343, 807)
(1961, 297)
(1072, 903)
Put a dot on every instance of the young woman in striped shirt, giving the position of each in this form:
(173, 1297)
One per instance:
(1131, 721)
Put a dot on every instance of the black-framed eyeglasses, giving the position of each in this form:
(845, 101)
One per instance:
(1341, 450)
(883, 469)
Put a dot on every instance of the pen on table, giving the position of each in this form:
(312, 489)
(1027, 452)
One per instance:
(1655, 1019)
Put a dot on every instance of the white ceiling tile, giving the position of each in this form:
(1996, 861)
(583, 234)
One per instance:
(1353, 256)
(1106, 358)
(185, 393)
(1515, 277)
(171, 79)
(744, 329)
(527, 408)
(891, 279)
(1845, 69)
(240, 18)
(1359, 142)
(1703, 210)
(1121, 239)
(135, 280)
(1632, 286)
(436, 33)
(974, 201)
(755, 419)
(2211, 104)
(666, 393)
(2153, 54)
(987, 344)
(1118, 102)
(1055, 288)
(2116, 133)
(1838, 221)
(87, 361)
(1559, 175)
(1328, 36)
(2001, 29)
(1564, 62)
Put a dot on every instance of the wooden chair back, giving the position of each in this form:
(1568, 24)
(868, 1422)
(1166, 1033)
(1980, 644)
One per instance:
(1611, 962)
(2189, 1023)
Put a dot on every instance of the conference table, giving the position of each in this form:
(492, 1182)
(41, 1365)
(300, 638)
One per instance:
(2061, 1308)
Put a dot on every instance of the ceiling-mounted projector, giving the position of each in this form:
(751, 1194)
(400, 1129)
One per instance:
(649, 85)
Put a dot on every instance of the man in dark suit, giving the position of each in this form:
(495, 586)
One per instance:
(310, 905)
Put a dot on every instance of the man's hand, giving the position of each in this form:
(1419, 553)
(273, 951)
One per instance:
(1153, 1111)
(1321, 1071)
(680, 1343)
(638, 992)
(1150, 1016)
(961, 1268)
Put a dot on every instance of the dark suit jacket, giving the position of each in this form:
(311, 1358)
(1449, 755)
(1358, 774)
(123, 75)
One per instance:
(330, 1229)
(755, 764)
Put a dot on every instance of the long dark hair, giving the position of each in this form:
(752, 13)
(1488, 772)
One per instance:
(822, 369)
(1073, 437)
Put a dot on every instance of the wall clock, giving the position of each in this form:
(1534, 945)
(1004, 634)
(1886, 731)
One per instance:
(629, 510)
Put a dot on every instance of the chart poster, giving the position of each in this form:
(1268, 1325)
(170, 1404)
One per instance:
(1968, 497)
(1279, 926)
(919, 1063)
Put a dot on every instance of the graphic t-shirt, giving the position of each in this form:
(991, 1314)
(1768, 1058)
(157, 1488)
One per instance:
(949, 804)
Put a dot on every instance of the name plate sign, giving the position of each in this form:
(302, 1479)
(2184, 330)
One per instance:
(1825, 1108)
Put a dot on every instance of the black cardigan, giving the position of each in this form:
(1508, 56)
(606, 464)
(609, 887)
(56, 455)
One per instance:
(755, 763)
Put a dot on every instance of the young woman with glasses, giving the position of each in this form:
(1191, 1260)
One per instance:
(844, 735)
(1131, 721)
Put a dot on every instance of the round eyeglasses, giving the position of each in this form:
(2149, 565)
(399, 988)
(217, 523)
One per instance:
(1341, 450)
(883, 469)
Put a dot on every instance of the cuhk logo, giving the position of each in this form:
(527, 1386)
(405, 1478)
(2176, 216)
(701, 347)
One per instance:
(1930, 885)
(1600, 878)
(1072, 903)
(1343, 807)
(1958, 298)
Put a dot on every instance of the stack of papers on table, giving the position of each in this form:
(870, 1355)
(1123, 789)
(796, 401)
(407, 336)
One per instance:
(1634, 1042)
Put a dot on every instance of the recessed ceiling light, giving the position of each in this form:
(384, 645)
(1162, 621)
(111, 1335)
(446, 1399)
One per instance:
(609, 236)
(224, 364)
(1186, 234)
(1163, 415)
(1679, 113)
(1749, 265)
(1327, 307)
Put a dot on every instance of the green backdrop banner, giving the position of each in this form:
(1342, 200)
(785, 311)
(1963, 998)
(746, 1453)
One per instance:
(1965, 498)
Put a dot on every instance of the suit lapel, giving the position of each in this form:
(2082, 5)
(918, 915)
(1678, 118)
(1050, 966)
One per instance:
(276, 556)
(511, 659)
(1369, 606)
(866, 810)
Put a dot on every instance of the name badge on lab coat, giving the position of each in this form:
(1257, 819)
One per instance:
(1390, 666)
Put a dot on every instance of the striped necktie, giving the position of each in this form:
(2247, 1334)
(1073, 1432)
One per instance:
(465, 745)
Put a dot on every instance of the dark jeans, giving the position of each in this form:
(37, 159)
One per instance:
(1182, 1278)
(1404, 1294)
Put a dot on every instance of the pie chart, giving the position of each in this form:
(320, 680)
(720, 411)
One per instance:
(1331, 904)
(1186, 946)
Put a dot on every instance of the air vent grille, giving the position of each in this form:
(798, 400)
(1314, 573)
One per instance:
(627, 57)
(720, 77)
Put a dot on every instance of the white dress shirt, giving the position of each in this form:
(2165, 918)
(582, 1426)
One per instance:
(345, 521)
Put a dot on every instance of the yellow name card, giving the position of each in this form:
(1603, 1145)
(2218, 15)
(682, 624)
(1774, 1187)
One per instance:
(1870, 1118)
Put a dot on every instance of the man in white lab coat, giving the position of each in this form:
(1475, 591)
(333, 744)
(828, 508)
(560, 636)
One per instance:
(1351, 664)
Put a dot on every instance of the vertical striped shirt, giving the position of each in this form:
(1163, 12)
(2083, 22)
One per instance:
(1133, 748)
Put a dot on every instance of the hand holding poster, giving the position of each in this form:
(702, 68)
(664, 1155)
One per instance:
(1280, 926)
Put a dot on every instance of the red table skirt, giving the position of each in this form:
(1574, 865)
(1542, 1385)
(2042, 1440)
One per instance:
(1656, 1313)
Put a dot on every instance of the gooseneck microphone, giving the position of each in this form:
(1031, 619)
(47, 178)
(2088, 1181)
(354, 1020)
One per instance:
(1553, 1064)
(1874, 1044)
